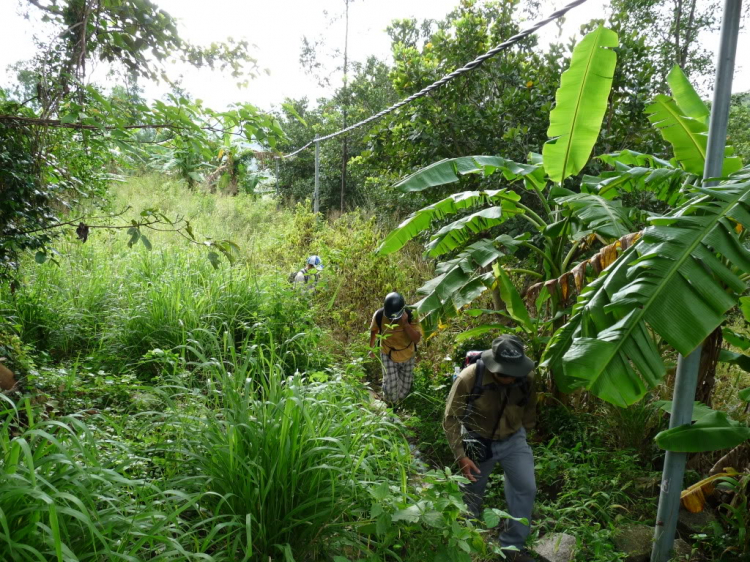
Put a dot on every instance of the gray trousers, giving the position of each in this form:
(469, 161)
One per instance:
(514, 455)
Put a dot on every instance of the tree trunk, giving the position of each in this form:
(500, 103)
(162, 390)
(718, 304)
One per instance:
(683, 55)
(677, 22)
(707, 370)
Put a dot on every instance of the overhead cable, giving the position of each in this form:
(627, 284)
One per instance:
(447, 78)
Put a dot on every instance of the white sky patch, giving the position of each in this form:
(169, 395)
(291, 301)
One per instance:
(277, 28)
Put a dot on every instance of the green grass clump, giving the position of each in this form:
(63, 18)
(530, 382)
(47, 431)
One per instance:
(60, 500)
(250, 464)
(279, 461)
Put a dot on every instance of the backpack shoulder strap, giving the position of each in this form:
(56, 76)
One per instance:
(379, 320)
(477, 390)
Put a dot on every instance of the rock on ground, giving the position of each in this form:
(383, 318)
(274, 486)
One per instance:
(692, 523)
(682, 552)
(555, 547)
(636, 541)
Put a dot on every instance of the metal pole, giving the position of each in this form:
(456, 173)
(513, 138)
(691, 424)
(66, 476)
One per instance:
(686, 378)
(316, 195)
(717, 130)
(674, 463)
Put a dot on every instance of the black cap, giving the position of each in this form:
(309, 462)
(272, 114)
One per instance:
(507, 357)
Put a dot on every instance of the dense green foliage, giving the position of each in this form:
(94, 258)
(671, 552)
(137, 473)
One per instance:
(502, 108)
(173, 407)
(62, 138)
(219, 368)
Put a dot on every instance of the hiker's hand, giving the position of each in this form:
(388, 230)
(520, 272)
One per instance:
(404, 320)
(468, 468)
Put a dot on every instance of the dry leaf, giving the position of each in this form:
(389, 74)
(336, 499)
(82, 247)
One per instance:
(579, 275)
(564, 280)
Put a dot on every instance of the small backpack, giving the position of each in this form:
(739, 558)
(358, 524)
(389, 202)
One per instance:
(379, 314)
(293, 276)
(478, 389)
(471, 358)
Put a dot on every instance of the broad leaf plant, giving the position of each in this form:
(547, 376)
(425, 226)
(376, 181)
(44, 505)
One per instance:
(673, 281)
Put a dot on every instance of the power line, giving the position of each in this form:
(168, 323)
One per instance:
(447, 78)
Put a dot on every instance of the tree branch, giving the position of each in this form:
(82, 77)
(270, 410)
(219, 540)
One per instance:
(49, 9)
(80, 126)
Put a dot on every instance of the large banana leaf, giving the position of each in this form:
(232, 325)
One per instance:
(581, 101)
(699, 408)
(739, 359)
(421, 220)
(597, 214)
(688, 137)
(711, 432)
(513, 301)
(639, 172)
(451, 169)
(455, 274)
(634, 158)
(670, 283)
(457, 233)
(686, 97)
(457, 283)
(431, 321)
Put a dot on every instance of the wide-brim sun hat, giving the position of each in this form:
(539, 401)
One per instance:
(507, 357)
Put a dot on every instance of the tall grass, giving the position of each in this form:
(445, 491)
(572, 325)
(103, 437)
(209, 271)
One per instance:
(254, 448)
(119, 302)
(280, 462)
(256, 465)
(122, 303)
(60, 501)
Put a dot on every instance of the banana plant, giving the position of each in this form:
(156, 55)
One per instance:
(683, 121)
(676, 284)
(567, 221)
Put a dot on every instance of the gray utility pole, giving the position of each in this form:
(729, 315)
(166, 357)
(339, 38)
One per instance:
(277, 177)
(687, 367)
(345, 98)
(316, 195)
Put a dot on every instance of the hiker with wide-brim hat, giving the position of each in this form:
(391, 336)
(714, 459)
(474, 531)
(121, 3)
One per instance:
(490, 407)
(396, 331)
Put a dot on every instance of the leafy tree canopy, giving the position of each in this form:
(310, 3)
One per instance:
(61, 139)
